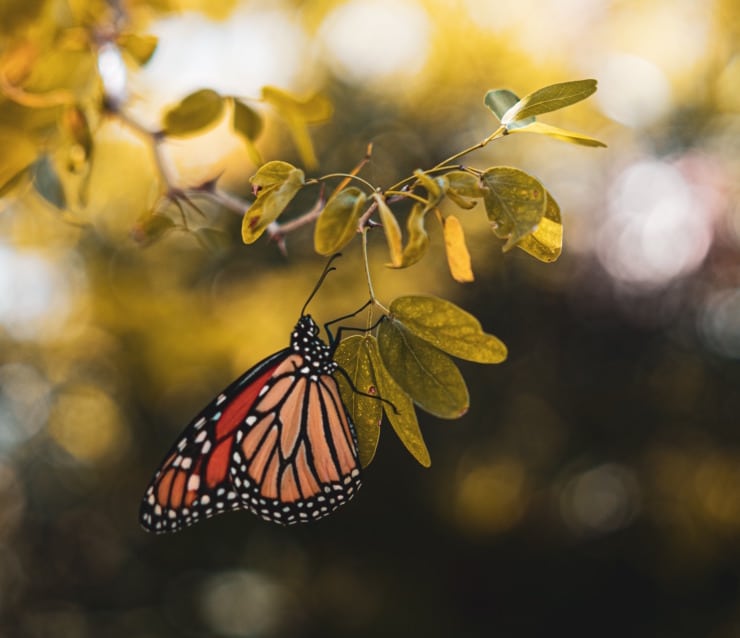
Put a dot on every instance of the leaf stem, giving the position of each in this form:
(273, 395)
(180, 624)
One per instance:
(373, 298)
(501, 130)
(347, 177)
(445, 164)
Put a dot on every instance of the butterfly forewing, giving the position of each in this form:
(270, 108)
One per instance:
(193, 481)
(278, 441)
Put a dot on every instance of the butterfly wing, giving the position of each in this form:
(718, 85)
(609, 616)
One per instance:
(278, 442)
(194, 480)
(296, 458)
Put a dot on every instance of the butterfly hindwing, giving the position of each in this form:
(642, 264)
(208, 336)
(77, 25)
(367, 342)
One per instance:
(297, 456)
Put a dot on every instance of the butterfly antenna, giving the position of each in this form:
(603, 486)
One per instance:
(327, 269)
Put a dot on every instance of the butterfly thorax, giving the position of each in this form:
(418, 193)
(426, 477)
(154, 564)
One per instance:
(316, 354)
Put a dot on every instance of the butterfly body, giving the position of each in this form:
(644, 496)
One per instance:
(277, 442)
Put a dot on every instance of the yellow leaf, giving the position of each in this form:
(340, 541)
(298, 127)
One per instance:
(297, 115)
(514, 201)
(403, 419)
(546, 242)
(418, 241)
(194, 113)
(447, 327)
(354, 357)
(423, 371)
(558, 133)
(337, 224)
(279, 182)
(392, 231)
(435, 186)
(458, 257)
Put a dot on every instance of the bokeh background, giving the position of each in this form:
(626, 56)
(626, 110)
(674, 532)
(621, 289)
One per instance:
(594, 486)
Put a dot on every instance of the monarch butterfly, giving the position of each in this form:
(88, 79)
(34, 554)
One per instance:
(278, 442)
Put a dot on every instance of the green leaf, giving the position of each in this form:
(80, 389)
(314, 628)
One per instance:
(448, 327)
(139, 47)
(461, 186)
(47, 183)
(515, 202)
(499, 101)
(424, 372)
(337, 224)
(278, 182)
(354, 357)
(418, 241)
(194, 113)
(546, 242)
(558, 134)
(391, 229)
(275, 173)
(247, 123)
(403, 419)
(297, 115)
(549, 98)
(436, 187)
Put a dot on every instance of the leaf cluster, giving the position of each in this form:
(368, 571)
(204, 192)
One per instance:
(60, 85)
(56, 90)
(408, 362)
(518, 207)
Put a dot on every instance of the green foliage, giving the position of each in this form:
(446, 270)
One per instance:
(248, 124)
(392, 231)
(277, 183)
(407, 364)
(518, 116)
(424, 372)
(549, 98)
(337, 225)
(447, 327)
(194, 113)
(297, 115)
(515, 203)
(518, 207)
(357, 356)
(401, 414)
(546, 241)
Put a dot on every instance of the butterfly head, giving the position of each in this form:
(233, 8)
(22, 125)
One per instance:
(306, 327)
